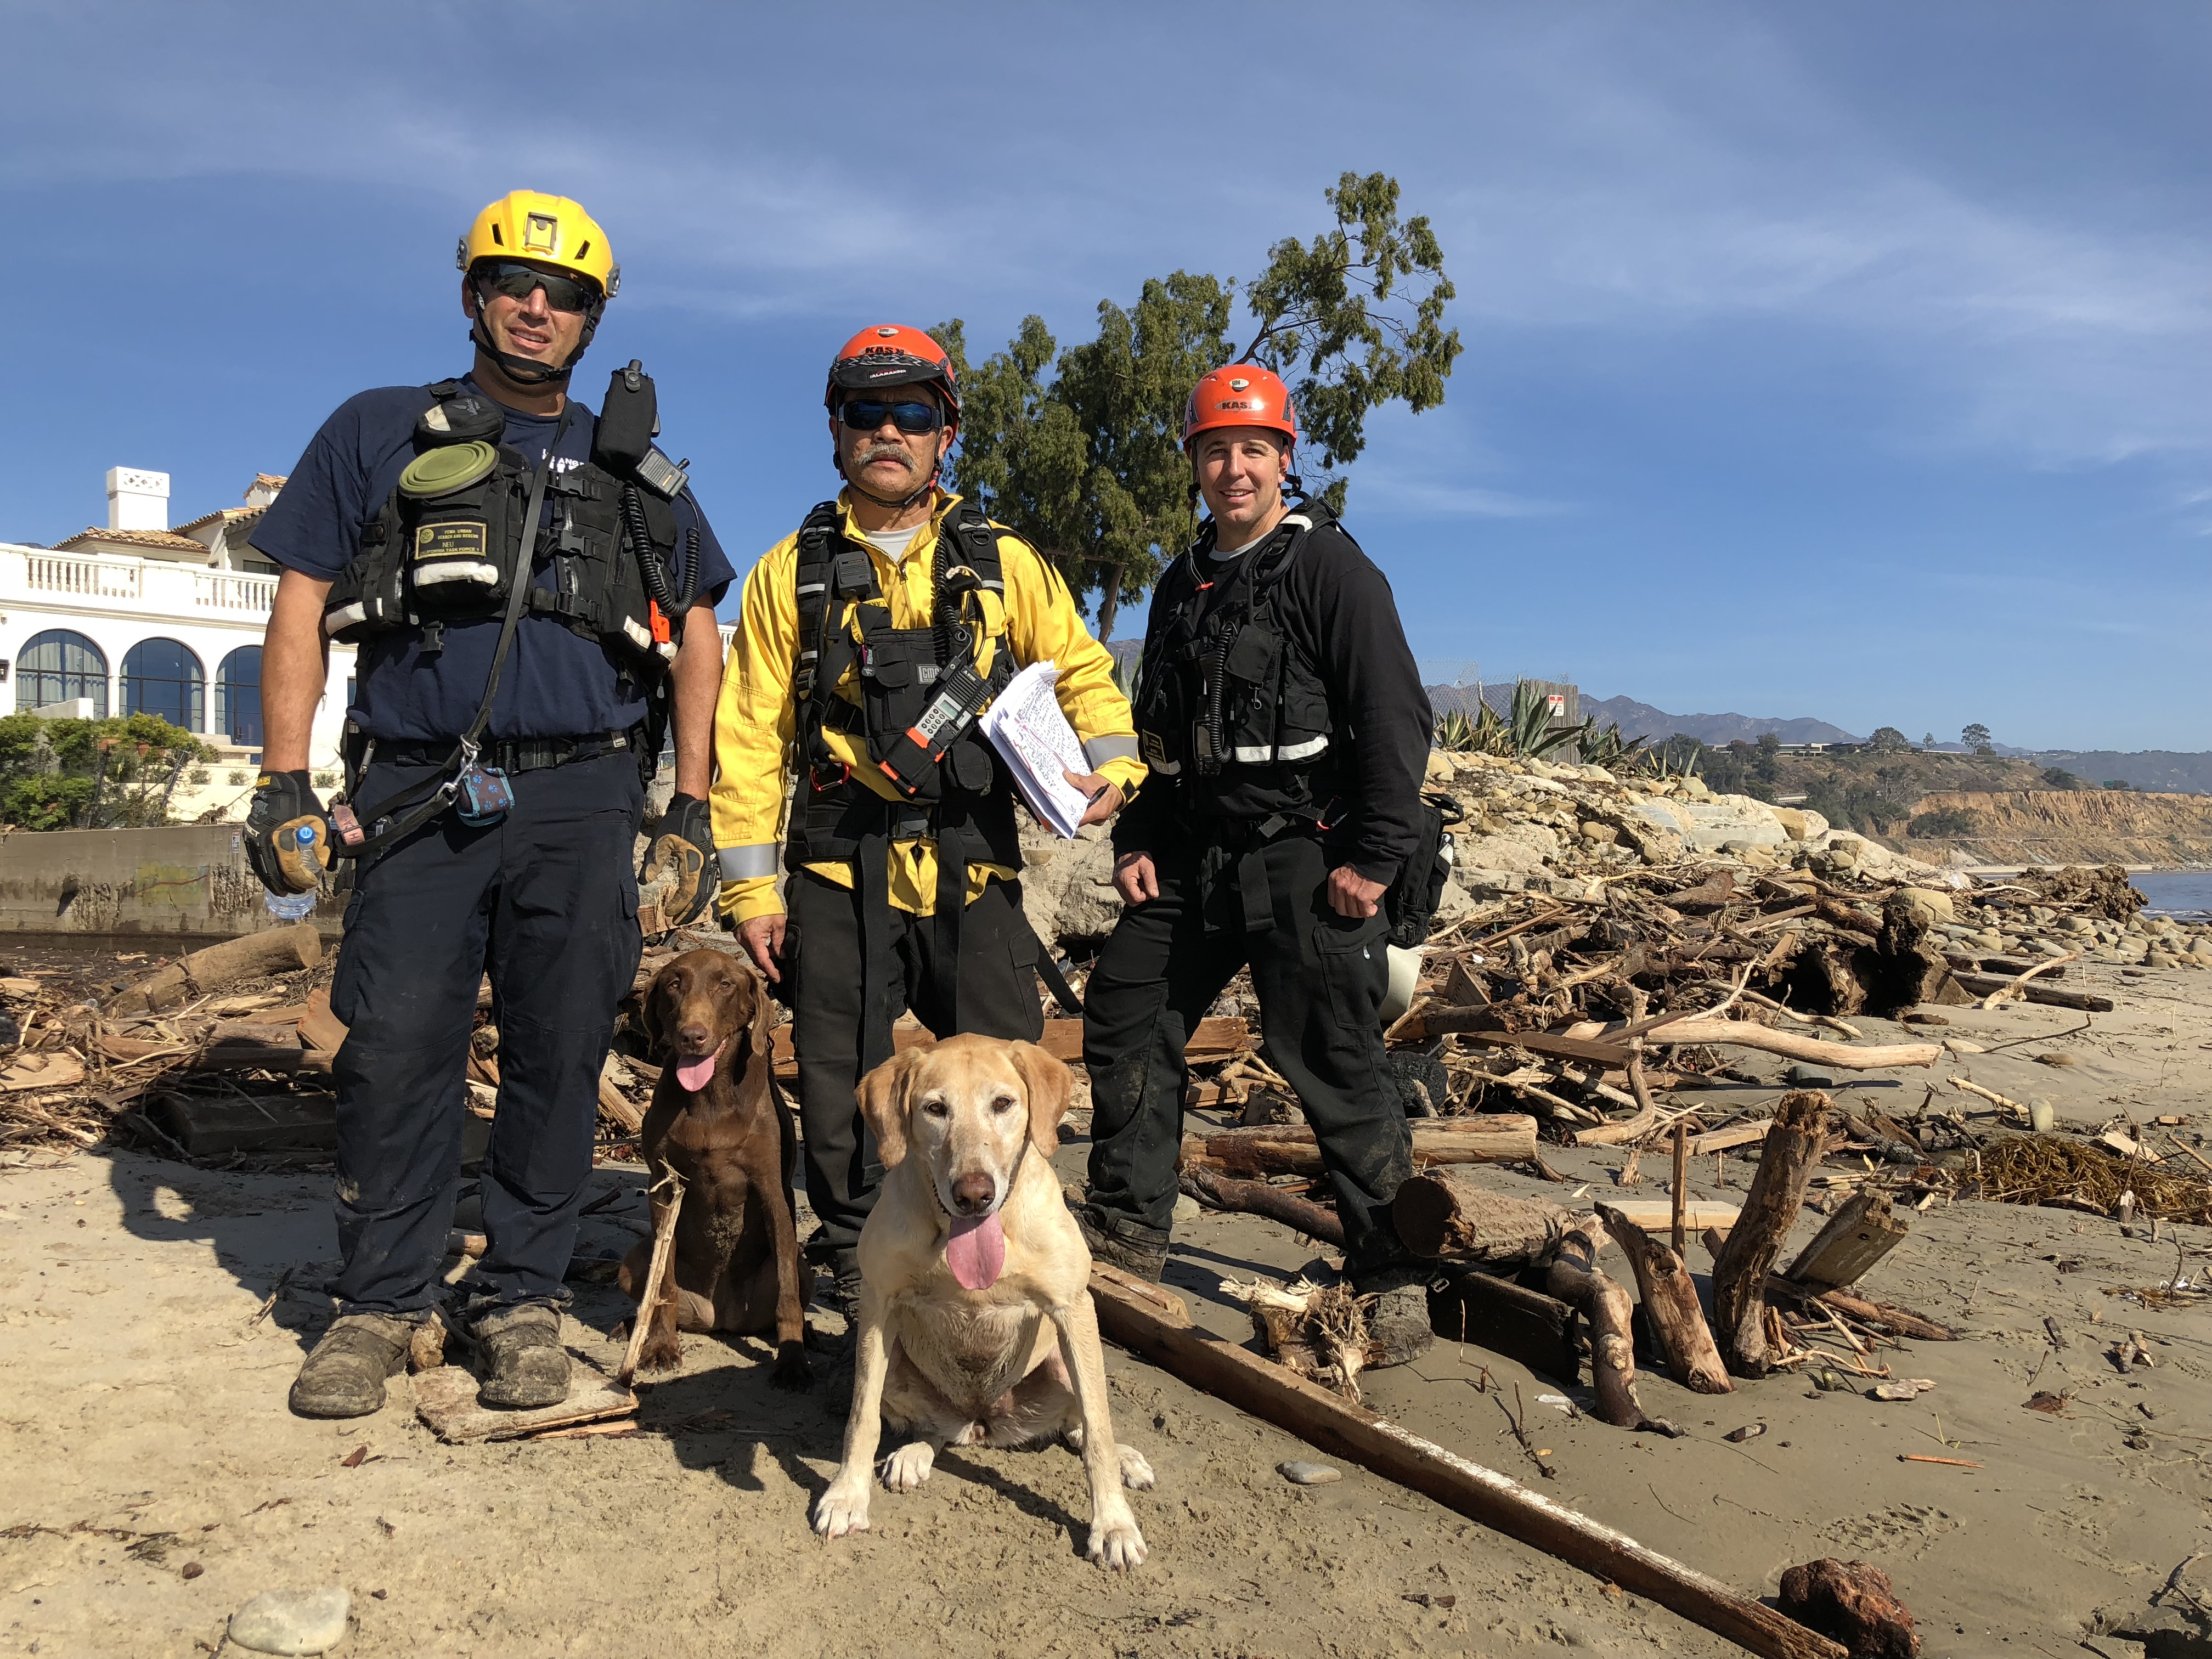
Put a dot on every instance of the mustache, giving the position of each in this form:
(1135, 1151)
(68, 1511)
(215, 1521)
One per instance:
(884, 450)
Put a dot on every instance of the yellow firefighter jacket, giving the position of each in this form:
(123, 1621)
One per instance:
(755, 721)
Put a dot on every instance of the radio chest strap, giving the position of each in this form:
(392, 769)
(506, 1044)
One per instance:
(416, 805)
(832, 573)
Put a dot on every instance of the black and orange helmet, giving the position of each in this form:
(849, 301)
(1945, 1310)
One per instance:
(891, 354)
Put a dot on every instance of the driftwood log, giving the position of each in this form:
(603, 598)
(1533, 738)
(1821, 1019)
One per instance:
(2050, 996)
(278, 950)
(1578, 1281)
(1792, 1151)
(1863, 1231)
(1301, 1215)
(1900, 1321)
(1137, 1318)
(1527, 1326)
(1741, 1034)
(1447, 1213)
(1484, 1138)
(1670, 1307)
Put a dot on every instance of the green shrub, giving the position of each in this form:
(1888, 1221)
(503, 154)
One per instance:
(1945, 822)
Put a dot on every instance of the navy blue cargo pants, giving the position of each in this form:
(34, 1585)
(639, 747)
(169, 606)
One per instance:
(545, 903)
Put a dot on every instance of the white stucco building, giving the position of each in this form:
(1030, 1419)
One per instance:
(136, 617)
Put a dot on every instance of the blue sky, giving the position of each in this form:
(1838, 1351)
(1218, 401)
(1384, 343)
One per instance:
(1844, 362)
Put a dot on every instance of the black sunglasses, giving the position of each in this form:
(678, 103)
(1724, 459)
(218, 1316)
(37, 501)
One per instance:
(516, 282)
(869, 414)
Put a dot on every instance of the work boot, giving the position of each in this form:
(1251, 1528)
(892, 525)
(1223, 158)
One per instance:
(344, 1374)
(523, 1363)
(1398, 1325)
(1129, 1245)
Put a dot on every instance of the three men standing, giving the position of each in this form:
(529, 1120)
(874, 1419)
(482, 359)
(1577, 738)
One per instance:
(1286, 733)
(501, 556)
(868, 641)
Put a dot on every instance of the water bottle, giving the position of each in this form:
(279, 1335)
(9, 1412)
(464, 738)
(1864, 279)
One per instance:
(293, 907)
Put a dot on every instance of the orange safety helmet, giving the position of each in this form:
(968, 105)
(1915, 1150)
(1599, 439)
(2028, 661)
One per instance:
(1242, 394)
(891, 354)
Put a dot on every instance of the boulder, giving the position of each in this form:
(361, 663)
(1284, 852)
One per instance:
(1925, 907)
(1515, 849)
(1706, 826)
(1067, 888)
(1799, 824)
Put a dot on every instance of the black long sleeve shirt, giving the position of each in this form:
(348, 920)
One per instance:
(1335, 609)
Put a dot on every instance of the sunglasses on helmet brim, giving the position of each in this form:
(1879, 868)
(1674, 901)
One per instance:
(868, 415)
(515, 282)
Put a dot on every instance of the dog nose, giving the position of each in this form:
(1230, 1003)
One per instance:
(973, 1194)
(694, 1037)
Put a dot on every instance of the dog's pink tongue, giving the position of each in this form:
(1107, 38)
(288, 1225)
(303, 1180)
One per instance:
(696, 1075)
(977, 1252)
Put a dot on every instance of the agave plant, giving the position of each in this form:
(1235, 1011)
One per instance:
(1607, 748)
(1677, 758)
(1125, 673)
(1484, 734)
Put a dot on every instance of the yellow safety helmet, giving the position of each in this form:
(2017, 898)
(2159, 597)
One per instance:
(528, 224)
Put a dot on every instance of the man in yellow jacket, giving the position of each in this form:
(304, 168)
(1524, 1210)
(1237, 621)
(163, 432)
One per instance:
(868, 641)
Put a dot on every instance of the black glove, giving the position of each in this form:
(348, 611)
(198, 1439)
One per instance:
(284, 810)
(681, 861)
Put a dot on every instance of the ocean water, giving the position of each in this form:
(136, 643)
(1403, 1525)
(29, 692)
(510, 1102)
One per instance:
(2176, 892)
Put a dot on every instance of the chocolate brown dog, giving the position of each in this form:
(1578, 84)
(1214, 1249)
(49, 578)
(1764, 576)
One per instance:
(717, 1121)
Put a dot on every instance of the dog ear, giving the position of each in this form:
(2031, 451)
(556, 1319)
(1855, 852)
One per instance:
(882, 1095)
(648, 1009)
(1050, 1084)
(763, 1014)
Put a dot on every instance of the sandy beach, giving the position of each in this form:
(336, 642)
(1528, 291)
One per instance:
(159, 1481)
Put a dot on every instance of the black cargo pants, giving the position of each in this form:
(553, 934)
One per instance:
(1321, 979)
(998, 998)
(545, 903)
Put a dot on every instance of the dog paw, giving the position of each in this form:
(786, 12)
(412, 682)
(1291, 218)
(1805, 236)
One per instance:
(1117, 1546)
(842, 1509)
(791, 1373)
(909, 1467)
(660, 1353)
(1136, 1470)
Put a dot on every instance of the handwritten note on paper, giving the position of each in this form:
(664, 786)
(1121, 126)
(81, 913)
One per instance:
(1037, 744)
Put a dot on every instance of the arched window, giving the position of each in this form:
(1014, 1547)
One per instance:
(238, 697)
(162, 677)
(58, 666)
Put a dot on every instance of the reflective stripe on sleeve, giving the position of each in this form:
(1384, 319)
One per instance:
(746, 863)
(1098, 750)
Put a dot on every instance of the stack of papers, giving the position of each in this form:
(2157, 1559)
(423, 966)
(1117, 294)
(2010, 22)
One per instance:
(1039, 746)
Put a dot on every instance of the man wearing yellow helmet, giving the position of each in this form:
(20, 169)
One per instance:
(530, 587)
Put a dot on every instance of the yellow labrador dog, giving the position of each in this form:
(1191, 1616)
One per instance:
(976, 1322)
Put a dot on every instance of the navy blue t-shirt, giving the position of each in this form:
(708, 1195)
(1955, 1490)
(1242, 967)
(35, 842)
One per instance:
(556, 683)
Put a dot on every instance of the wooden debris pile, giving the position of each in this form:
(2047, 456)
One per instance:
(1516, 1274)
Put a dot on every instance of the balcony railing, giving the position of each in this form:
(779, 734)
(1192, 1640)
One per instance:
(224, 590)
(88, 579)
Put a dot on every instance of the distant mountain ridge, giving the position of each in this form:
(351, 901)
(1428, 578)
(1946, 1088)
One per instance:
(1641, 720)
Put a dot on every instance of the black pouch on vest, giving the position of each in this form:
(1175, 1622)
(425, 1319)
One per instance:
(1411, 902)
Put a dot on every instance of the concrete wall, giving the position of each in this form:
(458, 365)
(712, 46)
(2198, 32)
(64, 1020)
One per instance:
(190, 880)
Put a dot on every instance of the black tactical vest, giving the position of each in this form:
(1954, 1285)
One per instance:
(966, 801)
(447, 544)
(1228, 704)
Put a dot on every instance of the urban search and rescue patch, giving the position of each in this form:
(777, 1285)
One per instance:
(455, 539)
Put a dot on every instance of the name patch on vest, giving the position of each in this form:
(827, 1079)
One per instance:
(463, 538)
